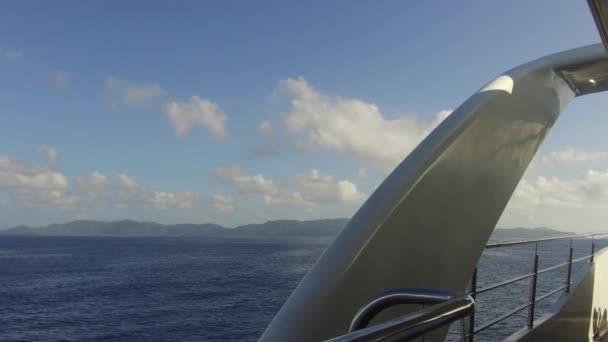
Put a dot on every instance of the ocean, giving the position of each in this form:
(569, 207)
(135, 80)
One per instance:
(201, 289)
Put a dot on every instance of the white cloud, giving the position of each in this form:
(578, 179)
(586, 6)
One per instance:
(266, 146)
(95, 181)
(576, 204)
(139, 94)
(197, 112)
(305, 189)
(41, 180)
(123, 191)
(222, 204)
(92, 185)
(49, 153)
(294, 198)
(28, 198)
(130, 192)
(18, 175)
(351, 127)
(319, 188)
(570, 155)
(38, 186)
(34, 186)
(246, 184)
(61, 78)
(439, 117)
(124, 181)
(129, 93)
(12, 55)
(265, 128)
(184, 200)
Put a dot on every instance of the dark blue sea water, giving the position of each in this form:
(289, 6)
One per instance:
(193, 289)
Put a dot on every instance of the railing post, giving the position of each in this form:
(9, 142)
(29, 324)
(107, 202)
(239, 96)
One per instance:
(463, 330)
(472, 316)
(569, 278)
(422, 308)
(592, 248)
(533, 289)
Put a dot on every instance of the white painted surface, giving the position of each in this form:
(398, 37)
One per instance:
(503, 82)
(600, 296)
(427, 224)
(572, 317)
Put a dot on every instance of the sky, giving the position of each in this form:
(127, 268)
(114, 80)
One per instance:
(236, 112)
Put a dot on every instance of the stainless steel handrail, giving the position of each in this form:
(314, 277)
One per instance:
(397, 297)
(502, 318)
(446, 307)
(529, 242)
(414, 325)
(534, 276)
(529, 275)
(504, 283)
(583, 258)
(518, 309)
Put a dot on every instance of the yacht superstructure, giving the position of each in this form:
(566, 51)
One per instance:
(418, 238)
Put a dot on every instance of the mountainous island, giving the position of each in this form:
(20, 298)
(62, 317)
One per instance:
(270, 229)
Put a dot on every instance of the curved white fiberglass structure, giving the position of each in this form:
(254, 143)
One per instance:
(427, 224)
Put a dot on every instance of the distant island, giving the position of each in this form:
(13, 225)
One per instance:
(270, 229)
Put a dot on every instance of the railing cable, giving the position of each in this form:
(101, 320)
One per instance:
(533, 276)
(447, 308)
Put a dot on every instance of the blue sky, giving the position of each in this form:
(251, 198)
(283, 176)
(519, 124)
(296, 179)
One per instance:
(236, 112)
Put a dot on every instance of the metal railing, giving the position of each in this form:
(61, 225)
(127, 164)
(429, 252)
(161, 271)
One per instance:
(533, 276)
(397, 297)
(446, 307)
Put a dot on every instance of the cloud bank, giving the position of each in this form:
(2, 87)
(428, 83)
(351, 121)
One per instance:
(311, 188)
(351, 127)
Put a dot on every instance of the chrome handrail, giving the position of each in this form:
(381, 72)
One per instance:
(446, 307)
(530, 305)
(414, 325)
(529, 242)
(529, 275)
(397, 297)
(516, 310)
